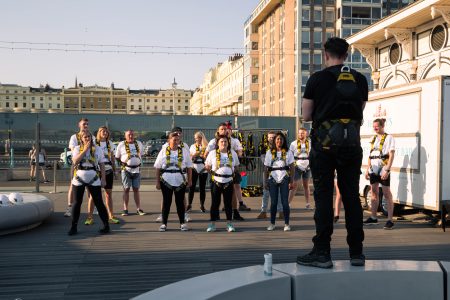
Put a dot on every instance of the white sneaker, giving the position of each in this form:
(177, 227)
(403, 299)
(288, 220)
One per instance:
(68, 212)
(95, 211)
(184, 227)
(187, 217)
(159, 218)
(211, 228)
(230, 227)
(162, 228)
(271, 227)
(308, 206)
(287, 227)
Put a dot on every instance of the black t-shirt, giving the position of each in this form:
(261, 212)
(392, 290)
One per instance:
(322, 83)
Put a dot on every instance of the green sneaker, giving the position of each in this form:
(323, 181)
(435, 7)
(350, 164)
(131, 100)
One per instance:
(113, 220)
(211, 228)
(89, 221)
(230, 227)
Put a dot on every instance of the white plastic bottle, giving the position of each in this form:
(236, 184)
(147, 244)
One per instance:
(268, 264)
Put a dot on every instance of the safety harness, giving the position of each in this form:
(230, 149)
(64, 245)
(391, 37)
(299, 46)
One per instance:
(274, 159)
(127, 149)
(384, 157)
(331, 131)
(229, 164)
(80, 166)
(109, 154)
(300, 151)
(178, 169)
(200, 153)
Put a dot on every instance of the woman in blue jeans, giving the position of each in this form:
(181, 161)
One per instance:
(279, 178)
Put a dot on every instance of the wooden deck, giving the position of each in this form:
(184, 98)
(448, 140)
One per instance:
(45, 263)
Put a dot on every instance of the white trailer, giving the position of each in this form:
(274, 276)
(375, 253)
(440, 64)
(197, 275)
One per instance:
(418, 116)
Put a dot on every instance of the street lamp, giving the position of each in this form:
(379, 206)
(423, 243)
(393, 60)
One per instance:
(174, 86)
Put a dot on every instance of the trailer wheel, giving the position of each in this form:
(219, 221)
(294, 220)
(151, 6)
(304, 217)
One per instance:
(384, 207)
(368, 197)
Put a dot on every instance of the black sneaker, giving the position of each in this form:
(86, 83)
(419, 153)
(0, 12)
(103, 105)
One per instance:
(243, 207)
(237, 216)
(319, 259)
(125, 212)
(370, 221)
(73, 230)
(105, 230)
(357, 260)
(202, 208)
(389, 225)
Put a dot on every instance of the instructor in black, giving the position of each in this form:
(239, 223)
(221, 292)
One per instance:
(334, 101)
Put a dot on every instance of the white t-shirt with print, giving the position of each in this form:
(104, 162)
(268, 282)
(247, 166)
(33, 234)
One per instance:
(278, 175)
(224, 168)
(88, 175)
(302, 164)
(199, 167)
(174, 179)
(376, 163)
(136, 158)
(104, 148)
(235, 145)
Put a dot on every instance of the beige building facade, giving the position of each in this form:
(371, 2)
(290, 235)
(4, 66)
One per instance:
(93, 99)
(221, 91)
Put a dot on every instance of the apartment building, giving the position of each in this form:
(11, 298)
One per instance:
(93, 99)
(221, 91)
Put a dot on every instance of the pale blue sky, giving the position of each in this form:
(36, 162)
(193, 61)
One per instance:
(181, 23)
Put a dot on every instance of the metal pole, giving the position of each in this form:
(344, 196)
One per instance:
(173, 107)
(38, 151)
(55, 166)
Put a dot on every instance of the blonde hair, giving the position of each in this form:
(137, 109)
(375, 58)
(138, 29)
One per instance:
(202, 135)
(85, 133)
(105, 129)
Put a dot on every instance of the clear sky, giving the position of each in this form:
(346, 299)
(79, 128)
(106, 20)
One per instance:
(174, 23)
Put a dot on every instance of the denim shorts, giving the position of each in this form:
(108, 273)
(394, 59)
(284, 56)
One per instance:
(131, 180)
(305, 175)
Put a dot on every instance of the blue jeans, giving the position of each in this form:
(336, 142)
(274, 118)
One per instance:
(265, 202)
(279, 189)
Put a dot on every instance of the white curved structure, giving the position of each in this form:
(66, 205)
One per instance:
(29, 214)
(378, 279)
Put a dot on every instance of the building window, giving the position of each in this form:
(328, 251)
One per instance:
(164, 100)
(24, 105)
(15, 104)
(156, 107)
(58, 105)
(50, 105)
(186, 108)
(33, 105)
(179, 101)
(394, 53)
(255, 95)
(7, 104)
(132, 107)
(438, 38)
(41, 105)
(254, 45)
(186, 101)
(41, 98)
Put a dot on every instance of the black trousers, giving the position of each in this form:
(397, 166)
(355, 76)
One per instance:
(96, 193)
(347, 163)
(202, 177)
(217, 190)
(167, 202)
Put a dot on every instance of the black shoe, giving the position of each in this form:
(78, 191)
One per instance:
(370, 221)
(336, 218)
(357, 260)
(73, 230)
(243, 207)
(320, 259)
(202, 208)
(237, 216)
(389, 225)
(105, 230)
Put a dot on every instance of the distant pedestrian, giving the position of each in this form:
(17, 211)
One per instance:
(221, 162)
(37, 161)
(129, 155)
(89, 172)
(279, 178)
(199, 172)
(173, 175)
(301, 148)
(381, 157)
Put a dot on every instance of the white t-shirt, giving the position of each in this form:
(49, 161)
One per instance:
(174, 179)
(135, 159)
(376, 163)
(88, 175)
(197, 166)
(235, 145)
(224, 168)
(278, 175)
(74, 141)
(104, 148)
(302, 164)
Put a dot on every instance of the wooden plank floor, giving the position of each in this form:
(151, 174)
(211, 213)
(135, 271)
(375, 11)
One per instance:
(45, 263)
